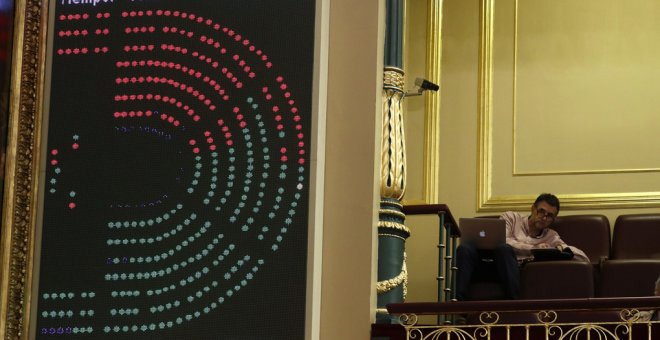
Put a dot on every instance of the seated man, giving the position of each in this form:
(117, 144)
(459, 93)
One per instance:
(523, 233)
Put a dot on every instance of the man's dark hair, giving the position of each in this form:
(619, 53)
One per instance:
(548, 198)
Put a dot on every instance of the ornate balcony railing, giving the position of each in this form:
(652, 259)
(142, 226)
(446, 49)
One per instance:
(574, 319)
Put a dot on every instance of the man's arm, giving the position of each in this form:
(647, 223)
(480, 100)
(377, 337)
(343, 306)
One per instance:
(514, 225)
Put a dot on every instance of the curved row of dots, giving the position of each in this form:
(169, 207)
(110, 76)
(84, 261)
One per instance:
(166, 324)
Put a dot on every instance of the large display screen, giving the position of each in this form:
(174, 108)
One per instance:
(175, 193)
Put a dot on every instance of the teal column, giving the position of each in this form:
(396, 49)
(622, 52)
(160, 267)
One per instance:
(392, 232)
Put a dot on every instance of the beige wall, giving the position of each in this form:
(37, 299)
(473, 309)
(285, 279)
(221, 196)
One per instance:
(351, 196)
(460, 113)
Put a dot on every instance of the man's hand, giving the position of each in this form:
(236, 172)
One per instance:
(543, 245)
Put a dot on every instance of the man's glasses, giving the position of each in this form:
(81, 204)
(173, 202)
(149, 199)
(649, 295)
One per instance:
(540, 212)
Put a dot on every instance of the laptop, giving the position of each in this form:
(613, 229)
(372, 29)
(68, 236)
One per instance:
(484, 233)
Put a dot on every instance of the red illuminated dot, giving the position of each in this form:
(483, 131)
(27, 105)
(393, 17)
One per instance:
(283, 150)
(53, 162)
(192, 142)
(301, 161)
(72, 205)
(75, 146)
(195, 150)
(54, 152)
(284, 158)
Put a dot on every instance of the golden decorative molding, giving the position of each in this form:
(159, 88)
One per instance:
(392, 203)
(392, 212)
(485, 103)
(489, 202)
(393, 77)
(431, 175)
(383, 287)
(394, 225)
(392, 235)
(393, 141)
(19, 209)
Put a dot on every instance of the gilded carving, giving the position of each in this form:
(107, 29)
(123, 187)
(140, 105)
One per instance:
(393, 162)
(22, 156)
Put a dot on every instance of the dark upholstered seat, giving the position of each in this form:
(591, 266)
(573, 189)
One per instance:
(636, 237)
(628, 277)
(557, 280)
(590, 233)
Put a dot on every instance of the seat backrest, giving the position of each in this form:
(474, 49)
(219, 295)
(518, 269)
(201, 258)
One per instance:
(628, 277)
(556, 280)
(636, 237)
(590, 233)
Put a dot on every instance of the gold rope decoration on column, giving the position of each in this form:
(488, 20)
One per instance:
(385, 286)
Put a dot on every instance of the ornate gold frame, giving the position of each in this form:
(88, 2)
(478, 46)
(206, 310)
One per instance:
(21, 181)
(486, 201)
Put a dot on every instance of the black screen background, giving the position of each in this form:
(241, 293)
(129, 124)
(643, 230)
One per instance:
(137, 178)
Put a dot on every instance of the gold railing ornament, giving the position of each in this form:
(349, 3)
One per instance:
(489, 318)
(489, 328)
(630, 315)
(546, 316)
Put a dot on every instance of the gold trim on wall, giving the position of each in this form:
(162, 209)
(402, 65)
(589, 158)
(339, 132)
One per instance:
(19, 206)
(484, 145)
(515, 115)
(486, 201)
(431, 181)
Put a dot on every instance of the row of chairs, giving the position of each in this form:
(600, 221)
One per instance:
(624, 265)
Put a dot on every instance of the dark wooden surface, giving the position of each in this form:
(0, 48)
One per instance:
(434, 209)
